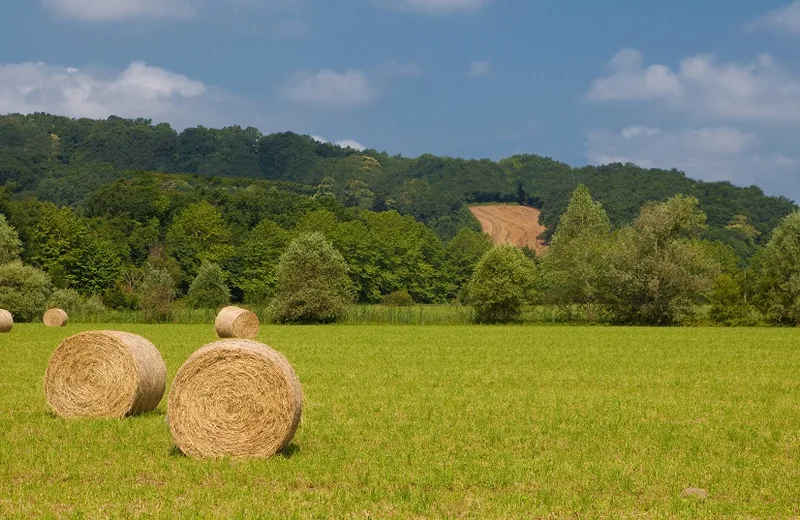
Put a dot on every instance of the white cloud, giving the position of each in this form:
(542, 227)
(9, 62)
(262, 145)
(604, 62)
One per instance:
(329, 89)
(436, 7)
(630, 80)
(479, 69)
(119, 10)
(108, 10)
(785, 19)
(141, 90)
(349, 143)
(635, 131)
(344, 143)
(758, 91)
(720, 153)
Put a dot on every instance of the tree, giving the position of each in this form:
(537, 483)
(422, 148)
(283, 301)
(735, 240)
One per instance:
(155, 292)
(358, 194)
(252, 266)
(504, 281)
(313, 286)
(657, 271)
(778, 273)
(729, 306)
(199, 233)
(23, 290)
(462, 254)
(10, 244)
(574, 265)
(209, 290)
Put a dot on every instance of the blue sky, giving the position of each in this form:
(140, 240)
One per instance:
(709, 87)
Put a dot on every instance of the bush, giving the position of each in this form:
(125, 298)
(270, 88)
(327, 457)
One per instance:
(76, 306)
(312, 282)
(398, 299)
(156, 292)
(24, 291)
(209, 290)
(504, 281)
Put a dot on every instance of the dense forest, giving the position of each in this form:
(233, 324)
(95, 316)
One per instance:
(99, 204)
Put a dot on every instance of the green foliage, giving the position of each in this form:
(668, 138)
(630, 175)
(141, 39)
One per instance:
(10, 244)
(504, 282)
(155, 293)
(778, 273)
(408, 256)
(358, 194)
(657, 273)
(398, 299)
(462, 254)
(79, 308)
(728, 304)
(574, 267)
(313, 286)
(253, 265)
(209, 290)
(23, 291)
(199, 234)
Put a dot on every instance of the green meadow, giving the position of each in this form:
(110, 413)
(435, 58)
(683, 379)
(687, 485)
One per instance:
(440, 422)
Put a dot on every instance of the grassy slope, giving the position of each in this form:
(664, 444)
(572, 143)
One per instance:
(441, 422)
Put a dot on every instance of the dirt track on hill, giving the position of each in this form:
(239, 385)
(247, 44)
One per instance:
(518, 225)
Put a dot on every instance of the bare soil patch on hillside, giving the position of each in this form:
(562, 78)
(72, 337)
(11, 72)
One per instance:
(506, 224)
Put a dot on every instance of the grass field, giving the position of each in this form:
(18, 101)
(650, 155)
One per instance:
(441, 422)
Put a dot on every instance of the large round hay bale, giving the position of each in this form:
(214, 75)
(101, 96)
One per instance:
(234, 398)
(105, 374)
(234, 322)
(6, 321)
(55, 318)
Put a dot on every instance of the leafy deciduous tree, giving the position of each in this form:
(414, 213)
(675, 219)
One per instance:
(504, 282)
(313, 286)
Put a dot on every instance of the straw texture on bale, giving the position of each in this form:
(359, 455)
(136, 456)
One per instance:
(234, 398)
(105, 374)
(234, 322)
(55, 318)
(6, 321)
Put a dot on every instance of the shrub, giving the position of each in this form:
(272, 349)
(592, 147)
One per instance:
(156, 292)
(76, 306)
(312, 282)
(398, 299)
(23, 291)
(209, 290)
(504, 281)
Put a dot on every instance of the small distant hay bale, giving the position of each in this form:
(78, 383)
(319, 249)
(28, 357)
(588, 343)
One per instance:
(6, 321)
(234, 322)
(56, 318)
(105, 374)
(234, 398)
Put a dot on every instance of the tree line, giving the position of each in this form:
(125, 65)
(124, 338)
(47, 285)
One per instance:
(64, 160)
(656, 270)
(144, 242)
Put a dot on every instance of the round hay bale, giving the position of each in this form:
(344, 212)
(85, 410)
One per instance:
(234, 322)
(234, 398)
(55, 318)
(6, 321)
(105, 374)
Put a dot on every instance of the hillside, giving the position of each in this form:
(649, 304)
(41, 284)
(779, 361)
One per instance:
(63, 160)
(507, 224)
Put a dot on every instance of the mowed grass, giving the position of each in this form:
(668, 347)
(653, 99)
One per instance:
(440, 422)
